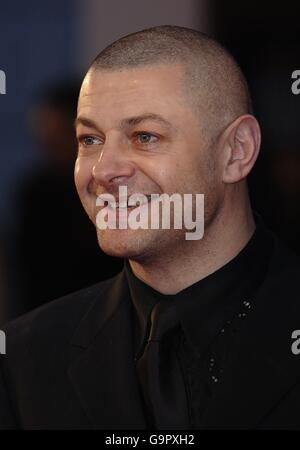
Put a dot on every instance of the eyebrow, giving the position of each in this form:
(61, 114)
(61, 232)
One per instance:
(137, 120)
(131, 121)
(85, 121)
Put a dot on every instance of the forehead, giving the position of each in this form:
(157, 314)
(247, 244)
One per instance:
(124, 92)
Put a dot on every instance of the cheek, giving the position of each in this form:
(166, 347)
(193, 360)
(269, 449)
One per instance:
(82, 175)
(181, 175)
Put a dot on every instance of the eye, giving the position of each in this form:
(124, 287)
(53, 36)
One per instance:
(143, 137)
(87, 141)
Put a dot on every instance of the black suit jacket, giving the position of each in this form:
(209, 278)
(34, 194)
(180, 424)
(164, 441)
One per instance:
(69, 364)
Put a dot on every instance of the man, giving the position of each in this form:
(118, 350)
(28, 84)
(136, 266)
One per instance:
(192, 334)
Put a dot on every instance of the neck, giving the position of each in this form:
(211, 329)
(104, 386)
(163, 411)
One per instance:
(192, 261)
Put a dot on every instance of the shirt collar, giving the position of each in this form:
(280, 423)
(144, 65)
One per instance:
(204, 307)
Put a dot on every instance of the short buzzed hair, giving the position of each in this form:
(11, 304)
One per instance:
(213, 81)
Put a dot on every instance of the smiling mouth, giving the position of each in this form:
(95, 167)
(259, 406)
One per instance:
(124, 204)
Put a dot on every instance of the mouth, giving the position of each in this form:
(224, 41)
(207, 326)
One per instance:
(126, 204)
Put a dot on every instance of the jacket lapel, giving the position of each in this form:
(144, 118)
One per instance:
(263, 367)
(102, 370)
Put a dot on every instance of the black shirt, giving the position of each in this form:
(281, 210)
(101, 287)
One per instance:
(211, 312)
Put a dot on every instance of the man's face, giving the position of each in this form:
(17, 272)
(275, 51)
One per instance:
(135, 128)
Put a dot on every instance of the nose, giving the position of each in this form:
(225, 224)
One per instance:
(113, 164)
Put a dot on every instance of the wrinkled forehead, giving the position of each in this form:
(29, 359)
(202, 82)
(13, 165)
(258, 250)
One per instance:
(160, 75)
(127, 92)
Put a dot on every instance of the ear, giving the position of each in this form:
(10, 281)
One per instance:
(241, 142)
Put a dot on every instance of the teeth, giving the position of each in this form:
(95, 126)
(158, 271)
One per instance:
(124, 204)
(118, 205)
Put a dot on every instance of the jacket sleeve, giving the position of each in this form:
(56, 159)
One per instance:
(7, 419)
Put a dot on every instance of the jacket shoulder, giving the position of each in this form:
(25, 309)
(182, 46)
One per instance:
(56, 321)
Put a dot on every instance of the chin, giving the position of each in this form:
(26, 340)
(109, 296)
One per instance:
(139, 245)
(123, 243)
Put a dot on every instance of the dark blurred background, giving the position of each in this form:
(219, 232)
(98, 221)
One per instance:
(48, 247)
